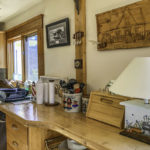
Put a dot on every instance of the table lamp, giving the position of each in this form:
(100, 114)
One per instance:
(134, 82)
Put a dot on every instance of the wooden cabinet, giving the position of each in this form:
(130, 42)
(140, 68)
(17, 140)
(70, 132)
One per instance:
(20, 137)
(2, 49)
(44, 122)
(16, 135)
(106, 107)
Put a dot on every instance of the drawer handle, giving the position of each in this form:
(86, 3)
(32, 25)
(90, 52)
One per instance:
(15, 143)
(14, 126)
(106, 101)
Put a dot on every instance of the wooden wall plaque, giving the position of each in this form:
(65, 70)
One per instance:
(125, 27)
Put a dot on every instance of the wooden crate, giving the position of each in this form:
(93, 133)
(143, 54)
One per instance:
(106, 107)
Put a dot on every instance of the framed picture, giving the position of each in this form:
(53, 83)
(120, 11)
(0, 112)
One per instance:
(58, 33)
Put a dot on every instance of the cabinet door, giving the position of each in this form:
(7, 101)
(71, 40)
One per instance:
(9, 147)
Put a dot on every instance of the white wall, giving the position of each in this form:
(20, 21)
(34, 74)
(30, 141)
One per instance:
(102, 66)
(58, 61)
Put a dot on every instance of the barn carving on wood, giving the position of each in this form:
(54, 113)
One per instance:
(125, 27)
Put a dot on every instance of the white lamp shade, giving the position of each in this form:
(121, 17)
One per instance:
(134, 81)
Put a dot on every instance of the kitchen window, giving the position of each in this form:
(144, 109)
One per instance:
(31, 58)
(25, 52)
(25, 61)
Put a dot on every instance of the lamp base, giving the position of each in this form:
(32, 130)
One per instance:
(146, 101)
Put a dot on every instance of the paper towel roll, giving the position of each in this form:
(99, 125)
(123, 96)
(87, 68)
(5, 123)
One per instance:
(51, 92)
(39, 92)
(46, 91)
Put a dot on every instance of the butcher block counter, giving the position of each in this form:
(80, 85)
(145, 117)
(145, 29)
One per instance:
(29, 124)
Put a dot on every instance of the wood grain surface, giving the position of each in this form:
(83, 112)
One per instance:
(106, 107)
(93, 134)
(125, 27)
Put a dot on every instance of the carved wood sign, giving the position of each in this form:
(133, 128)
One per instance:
(125, 27)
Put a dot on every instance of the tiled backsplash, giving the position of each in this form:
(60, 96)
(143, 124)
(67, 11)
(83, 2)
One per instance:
(3, 73)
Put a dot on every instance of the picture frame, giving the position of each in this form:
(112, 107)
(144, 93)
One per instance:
(58, 33)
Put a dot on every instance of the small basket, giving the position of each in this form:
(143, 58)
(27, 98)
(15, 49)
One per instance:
(53, 143)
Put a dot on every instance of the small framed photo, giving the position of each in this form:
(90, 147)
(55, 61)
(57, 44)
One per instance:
(58, 33)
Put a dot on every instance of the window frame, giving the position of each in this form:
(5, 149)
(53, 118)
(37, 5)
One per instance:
(10, 43)
(32, 26)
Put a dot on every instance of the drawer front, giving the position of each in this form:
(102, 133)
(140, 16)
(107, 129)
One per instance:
(16, 134)
(16, 129)
(9, 147)
(15, 143)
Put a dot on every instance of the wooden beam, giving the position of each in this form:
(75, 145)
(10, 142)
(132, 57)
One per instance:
(80, 50)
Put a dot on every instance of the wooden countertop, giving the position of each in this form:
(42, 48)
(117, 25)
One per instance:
(91, 133)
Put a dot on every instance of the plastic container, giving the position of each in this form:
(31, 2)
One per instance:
(39, 92)
(13, 94)
(51, 92)
(72, 102)
(73, 145)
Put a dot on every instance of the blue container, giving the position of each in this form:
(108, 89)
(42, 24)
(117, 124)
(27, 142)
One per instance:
(13, 94)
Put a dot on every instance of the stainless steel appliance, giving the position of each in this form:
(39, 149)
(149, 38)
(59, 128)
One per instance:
(2, 131)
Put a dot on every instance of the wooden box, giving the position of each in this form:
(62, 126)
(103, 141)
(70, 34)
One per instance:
(106, 108)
